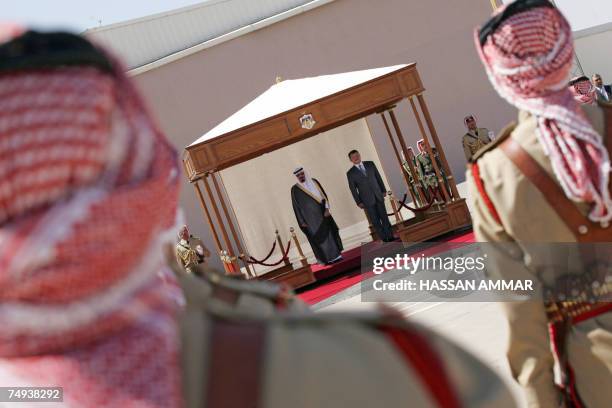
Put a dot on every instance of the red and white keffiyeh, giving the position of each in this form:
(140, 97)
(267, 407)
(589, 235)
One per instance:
(88, 193)
(528, 60)
(583, 91)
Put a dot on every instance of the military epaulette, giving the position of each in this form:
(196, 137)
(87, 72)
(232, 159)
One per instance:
(503, 135)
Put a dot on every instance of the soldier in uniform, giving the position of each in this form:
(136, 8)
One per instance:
(413, 179)
(428, 174)
(545, 180)
(475, 138)
(442, 172)
(190, 250)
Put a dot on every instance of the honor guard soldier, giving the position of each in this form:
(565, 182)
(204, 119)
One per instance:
(475, 138)
(190, 250)
(546, 180)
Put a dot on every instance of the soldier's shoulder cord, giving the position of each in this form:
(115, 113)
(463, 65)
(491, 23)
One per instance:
(503, 135)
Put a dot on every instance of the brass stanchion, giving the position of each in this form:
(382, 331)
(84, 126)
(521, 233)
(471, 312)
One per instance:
(394, 206)
(303, 259)
(279, 241)
(229, 262)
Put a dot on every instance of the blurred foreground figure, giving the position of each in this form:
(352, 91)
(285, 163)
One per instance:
(88, 187)
(254, 344)
(546, 180)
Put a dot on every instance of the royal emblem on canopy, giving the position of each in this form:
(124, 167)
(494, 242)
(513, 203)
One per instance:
(307, 121)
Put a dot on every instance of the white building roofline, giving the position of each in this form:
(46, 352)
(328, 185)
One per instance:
(598, 29)
(227, 37)
(159, 37)
(155, 16)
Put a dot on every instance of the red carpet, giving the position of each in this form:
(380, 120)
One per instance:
(323, 290)
(352, 259)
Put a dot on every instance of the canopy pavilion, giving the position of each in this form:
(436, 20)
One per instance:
(295, 110)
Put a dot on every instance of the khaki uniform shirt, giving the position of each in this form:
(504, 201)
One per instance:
(474, 142)
(526, 217)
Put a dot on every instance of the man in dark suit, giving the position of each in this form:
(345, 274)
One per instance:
(603, 92)
(369, 191)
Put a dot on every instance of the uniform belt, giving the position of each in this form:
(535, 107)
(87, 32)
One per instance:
(575, 312)
(587, 295)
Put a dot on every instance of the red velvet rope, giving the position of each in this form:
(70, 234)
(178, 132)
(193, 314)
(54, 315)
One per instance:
(403, 204)
(255, 261)
(424, 208)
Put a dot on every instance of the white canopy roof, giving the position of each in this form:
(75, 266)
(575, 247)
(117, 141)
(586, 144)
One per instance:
(291, 94)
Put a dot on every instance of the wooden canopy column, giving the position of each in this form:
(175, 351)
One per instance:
(215, 208)
(400, 136)
(434, 163)
(436, 140)
(230, 222)
(397, 155)
(211, 224)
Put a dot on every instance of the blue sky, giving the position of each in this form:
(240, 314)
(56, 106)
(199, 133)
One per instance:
(78, 15)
